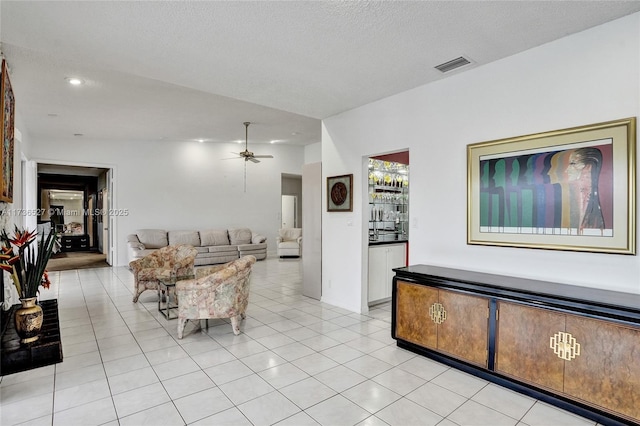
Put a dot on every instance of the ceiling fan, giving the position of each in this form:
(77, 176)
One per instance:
(246, 154)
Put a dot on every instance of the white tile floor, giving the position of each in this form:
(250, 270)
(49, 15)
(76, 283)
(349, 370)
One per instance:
(297, 362)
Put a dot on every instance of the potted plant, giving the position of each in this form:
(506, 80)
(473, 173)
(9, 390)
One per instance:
(26, 264)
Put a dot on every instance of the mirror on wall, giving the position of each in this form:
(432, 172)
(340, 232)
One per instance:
(65, 208)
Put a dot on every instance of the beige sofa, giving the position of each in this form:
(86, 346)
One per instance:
(214, 245)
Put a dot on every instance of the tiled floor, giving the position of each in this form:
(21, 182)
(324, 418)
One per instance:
(297, 362)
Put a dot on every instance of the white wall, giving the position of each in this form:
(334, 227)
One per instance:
(584, 78)
(184, 185)
(313, 153)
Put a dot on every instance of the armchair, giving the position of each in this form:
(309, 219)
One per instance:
(289, 242)
(174, 260)
(220, 291)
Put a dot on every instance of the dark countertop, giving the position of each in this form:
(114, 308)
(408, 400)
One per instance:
(380, 243)
(502, 284)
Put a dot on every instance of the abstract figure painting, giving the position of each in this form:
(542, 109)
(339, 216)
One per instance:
(7, 108)
(566, 191)
(571, 189)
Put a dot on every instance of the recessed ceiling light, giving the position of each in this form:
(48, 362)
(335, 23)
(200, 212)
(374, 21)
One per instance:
(200, 140)
(74, 81)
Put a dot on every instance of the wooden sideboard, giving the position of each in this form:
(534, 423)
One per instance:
(75, 242)
(575, 347)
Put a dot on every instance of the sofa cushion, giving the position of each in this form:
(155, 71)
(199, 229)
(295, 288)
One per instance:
(191, 238)
(217, 254)
(220, 258)
(222, 249)
(202, 249)
(214, 237)
(143, 253)
(153, 238)
(240, 236)
(288, 245)
(261, 246)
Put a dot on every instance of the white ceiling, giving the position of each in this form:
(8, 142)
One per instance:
(184, 70)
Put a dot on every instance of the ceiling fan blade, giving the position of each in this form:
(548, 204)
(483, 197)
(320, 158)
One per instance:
(263, 156)
(232, 158)
(253, 159)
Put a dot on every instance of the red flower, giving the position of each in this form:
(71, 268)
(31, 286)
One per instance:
(22, 238)
(45, 280)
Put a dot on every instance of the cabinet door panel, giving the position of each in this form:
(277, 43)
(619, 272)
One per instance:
(522, 345)
(464, 333)
(378, 274)
(412, 314)
(607, 371)
(396, 258)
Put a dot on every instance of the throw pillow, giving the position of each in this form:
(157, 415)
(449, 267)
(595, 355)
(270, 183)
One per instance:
(240, 236)
(214, 237)
(153, 238)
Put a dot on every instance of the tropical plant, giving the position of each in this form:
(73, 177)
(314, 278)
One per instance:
(26, 263)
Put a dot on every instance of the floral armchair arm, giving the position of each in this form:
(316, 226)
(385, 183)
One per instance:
(203, 272)
(183, 261)
(149, 261)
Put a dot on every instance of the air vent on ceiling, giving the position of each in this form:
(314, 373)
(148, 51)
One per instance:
(453, 64)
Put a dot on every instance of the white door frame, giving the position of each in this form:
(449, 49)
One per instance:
(111, 249)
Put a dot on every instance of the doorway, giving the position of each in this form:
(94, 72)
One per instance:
(386, 215)
(289, 211)
(75, 191)
(291, 201)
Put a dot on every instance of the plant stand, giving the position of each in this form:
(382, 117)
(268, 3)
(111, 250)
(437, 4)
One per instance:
(46, 350)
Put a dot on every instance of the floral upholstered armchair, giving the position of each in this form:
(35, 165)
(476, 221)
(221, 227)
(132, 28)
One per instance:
(165, 263)
(217, 292)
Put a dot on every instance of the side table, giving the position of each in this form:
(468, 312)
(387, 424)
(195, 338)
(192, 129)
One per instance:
(167, 297)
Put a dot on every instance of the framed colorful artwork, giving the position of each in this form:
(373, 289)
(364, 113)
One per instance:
(340, 193)
(569, 189)
(7, 108)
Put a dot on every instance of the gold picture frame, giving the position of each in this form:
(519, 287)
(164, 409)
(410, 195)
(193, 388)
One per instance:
(570, 189)
(7, 110)
(340, 193)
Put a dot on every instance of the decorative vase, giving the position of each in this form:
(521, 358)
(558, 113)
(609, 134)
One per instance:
(29, 320)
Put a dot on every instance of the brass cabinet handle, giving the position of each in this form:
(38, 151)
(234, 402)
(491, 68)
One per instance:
(564, 345)
(437, 313)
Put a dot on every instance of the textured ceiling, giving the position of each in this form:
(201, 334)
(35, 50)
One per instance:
(195, 69)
